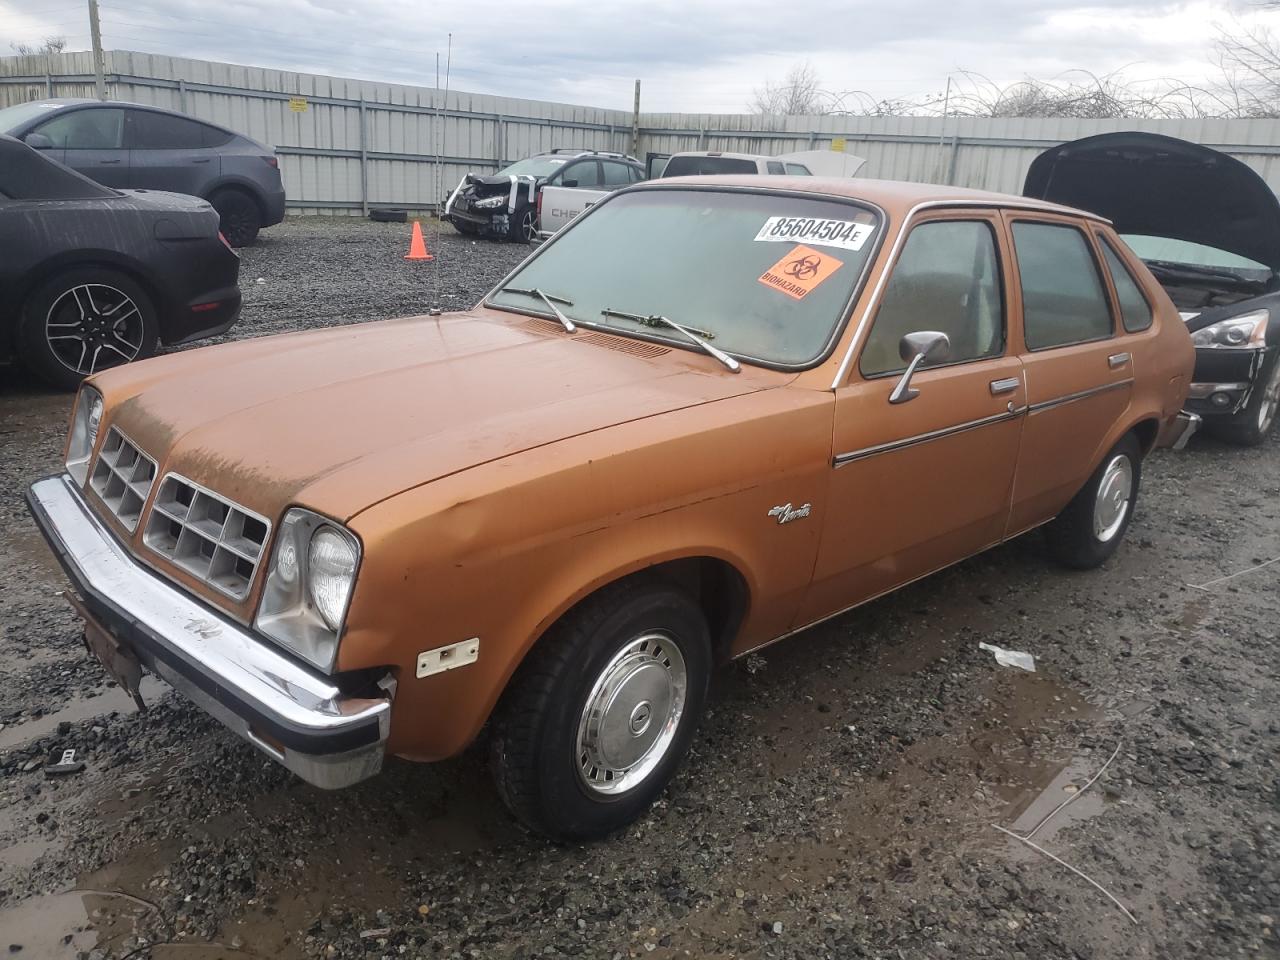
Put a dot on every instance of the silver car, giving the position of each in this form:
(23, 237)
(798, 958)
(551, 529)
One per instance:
(133, 146)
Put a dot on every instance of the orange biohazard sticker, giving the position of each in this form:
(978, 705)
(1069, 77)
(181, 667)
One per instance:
(799, 272)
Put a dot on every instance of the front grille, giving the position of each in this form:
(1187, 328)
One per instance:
(122, 478)
(206, 535)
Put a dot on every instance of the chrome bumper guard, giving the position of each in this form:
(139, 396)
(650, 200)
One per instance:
(1179, 431)
(294, 715)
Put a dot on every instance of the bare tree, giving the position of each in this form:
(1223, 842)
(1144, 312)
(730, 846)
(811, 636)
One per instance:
(1249, 57)
(47, 46)
(797, 94)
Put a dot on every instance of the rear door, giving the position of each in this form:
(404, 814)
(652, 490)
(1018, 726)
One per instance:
(168, 152)
(1078, 370)
(90, 140)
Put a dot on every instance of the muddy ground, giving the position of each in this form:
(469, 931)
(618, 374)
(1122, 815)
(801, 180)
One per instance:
(841, 800)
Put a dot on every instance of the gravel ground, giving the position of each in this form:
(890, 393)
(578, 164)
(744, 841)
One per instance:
(841, 799)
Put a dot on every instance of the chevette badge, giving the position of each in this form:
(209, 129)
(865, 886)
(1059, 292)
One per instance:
(786, 513)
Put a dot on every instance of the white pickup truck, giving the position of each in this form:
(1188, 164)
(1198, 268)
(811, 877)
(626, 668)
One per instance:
(580, 184)
(558, 203)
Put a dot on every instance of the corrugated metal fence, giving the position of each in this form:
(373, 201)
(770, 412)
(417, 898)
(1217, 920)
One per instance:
(347, 145)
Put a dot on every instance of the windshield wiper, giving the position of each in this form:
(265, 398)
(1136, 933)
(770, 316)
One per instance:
(550, 300)
(699, 337)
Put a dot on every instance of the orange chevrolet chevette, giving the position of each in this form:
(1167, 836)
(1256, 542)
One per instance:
(712, 412)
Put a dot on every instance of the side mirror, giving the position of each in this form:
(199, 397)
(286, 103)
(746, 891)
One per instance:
(915, 349)
(38, 141)
(569, 183)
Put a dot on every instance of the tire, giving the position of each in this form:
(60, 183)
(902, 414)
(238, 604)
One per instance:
(523, 226)
(85, 320)
(1250, 426)
(576, 773)
(1090, 529)
(239, 218)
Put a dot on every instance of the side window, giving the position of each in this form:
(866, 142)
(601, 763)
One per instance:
(776, 168)
(85, 129)
(586, 172)
(161, 131)
(947, 278)
(798, 170)
(615, 174)
(1135, 311)
(637, 174)
(1063, 300)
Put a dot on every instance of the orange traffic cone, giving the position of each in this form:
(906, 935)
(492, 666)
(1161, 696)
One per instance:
(417, 246)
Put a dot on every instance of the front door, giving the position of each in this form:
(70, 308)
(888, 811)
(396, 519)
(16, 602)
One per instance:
(920, 484)
(1079, 375)
(90, 141)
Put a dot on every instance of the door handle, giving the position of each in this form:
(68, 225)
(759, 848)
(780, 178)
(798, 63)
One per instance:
(1007, 385)
(108, 161)
(1118, 360)
(201, 160)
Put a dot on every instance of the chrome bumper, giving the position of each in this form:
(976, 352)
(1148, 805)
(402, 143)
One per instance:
(294, 715)
(1178, 431)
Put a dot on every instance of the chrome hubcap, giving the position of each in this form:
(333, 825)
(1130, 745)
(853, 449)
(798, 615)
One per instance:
(93, 326)
(1270, 401)
(631, 715)
(1112, 503)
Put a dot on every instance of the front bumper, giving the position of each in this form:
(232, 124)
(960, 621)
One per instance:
(1223, 380)
(297, 717)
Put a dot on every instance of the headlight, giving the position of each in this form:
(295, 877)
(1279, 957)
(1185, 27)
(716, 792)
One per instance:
(304, 601)
(84, 432)
(489, 203)
(1249, 330)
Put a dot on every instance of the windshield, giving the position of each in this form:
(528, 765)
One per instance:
(11, 118)
(1196, 254)
(767, 276)
(696, 166)
(533, 167)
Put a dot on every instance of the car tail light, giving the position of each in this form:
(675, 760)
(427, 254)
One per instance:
(272, 162)
(537, 206)
(204, 307)
(223, 238)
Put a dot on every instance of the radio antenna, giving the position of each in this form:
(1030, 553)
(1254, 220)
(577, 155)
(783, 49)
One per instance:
(440, 144)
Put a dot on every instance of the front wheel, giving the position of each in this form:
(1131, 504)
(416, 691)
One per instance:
(1088, 531)
(523, 227)
(598, 718)
(1251, 425)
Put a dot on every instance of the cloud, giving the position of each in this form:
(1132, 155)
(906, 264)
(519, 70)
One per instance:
(692, 55)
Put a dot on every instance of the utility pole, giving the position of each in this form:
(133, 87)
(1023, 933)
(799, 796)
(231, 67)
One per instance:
(635, 122)
(95, 33)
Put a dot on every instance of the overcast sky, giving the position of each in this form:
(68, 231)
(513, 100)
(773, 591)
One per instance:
(691, 55)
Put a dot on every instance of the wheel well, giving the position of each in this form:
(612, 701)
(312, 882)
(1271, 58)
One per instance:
(240, 188)
(47, 272)
(1146, 432)
(717, 587)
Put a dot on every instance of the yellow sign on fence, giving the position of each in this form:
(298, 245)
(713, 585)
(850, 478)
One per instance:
(837, 144)
(298, 104)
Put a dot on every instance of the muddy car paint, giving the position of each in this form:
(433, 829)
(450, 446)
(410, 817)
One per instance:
(1151, 185)
(492, 459)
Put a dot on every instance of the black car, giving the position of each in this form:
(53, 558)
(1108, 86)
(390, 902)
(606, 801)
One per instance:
(1208, 227)
(93, 277)
(133, 145)
(504, 205)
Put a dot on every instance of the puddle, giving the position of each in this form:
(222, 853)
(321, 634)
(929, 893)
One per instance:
(63, 925)
(81, 707)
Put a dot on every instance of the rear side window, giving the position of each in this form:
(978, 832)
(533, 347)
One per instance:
(947, 279)
(161, 131)
(85, 129)
(1135, 311)
(636, 174)
(615, 174)
(776, 169)
(1063, 300)
(586, 172)
(798, 170)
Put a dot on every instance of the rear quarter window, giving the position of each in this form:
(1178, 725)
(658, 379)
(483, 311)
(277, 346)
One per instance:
(1135, 311)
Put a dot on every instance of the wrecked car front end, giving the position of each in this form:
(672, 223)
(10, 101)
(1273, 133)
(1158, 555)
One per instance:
(491, 206)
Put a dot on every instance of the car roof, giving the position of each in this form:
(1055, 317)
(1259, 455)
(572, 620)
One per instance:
(895, 197)
(724, 153)
(90, 102)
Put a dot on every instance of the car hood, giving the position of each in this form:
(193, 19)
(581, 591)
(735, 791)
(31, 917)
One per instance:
(340, 419)
(1160, 186)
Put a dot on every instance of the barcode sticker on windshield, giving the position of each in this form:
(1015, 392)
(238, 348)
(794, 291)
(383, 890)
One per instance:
(848, 234)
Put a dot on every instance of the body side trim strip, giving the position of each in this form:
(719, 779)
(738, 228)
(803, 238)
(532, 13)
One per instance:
(841, 459)
(1072, 397)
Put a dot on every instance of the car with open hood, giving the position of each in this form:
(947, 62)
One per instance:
(707, 414)
(504, 205)
(1208, 227)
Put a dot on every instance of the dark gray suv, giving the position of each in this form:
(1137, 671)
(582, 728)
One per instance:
(133, 146)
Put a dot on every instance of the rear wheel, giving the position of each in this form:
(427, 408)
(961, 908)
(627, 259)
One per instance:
(83, 321)
(1251, 425)
(597, 720)
(238, 216)
(1090, 529)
